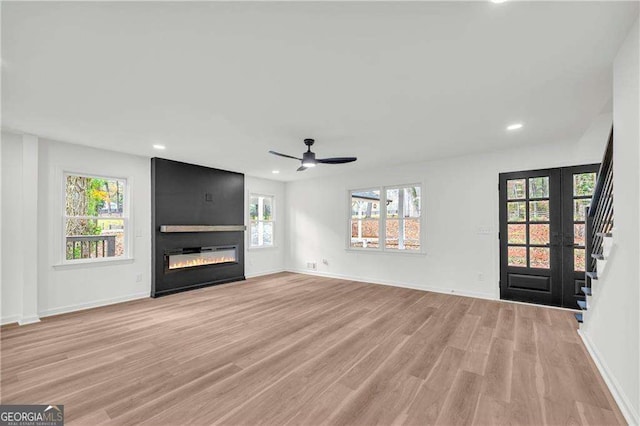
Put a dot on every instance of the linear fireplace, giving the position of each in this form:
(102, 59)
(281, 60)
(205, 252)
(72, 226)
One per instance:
(199, 256)
(198, 226)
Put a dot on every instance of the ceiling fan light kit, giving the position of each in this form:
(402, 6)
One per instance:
(309, 158)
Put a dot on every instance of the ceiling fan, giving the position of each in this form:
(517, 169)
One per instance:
(309, 158)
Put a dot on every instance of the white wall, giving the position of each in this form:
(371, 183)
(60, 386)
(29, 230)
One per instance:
(459, 258)
(33, 281)
(64, 288)
(261, 261)
(67, 288)
(11, 290)
(612, 324)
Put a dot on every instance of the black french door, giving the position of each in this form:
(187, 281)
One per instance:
(578, 184)
(542, 214)
(530, 229)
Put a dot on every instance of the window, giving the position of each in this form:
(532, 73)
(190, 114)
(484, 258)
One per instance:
(95, 218)
(393, 212)
(365, 218)
(262, 217)
(403, 218)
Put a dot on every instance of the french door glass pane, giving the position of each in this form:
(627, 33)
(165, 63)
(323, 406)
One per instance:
(539, 187)
(578, 234)
(584, 184)
(517, 234)
(516, 211)
(517, 256)
(539, 257)
(579, 207)
(516, 189)
(539, 211)
(578, 259)
(539, 234)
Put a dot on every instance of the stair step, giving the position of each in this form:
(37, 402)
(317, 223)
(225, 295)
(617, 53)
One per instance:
(604, 234)
(578, 317)
(582, 304)
(586, 291)
(593, 275)
(598, 256)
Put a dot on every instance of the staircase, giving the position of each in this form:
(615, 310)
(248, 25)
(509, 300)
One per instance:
(599, 228)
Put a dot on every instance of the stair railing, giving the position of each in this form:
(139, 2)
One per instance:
(600, 213)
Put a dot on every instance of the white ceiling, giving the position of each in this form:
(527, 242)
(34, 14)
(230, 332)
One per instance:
(222, 83)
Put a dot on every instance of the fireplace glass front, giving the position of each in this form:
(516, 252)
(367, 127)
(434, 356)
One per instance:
(201, 256)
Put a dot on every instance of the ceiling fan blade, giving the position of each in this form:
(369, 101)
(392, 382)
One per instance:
(336, 160)
(301, 169)
(285, 155)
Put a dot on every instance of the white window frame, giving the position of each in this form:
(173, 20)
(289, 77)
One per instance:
(382, 221)
(260, 222)
(350, 219)
(125, 218)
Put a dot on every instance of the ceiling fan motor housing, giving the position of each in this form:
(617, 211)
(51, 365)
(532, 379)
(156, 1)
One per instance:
(309, 157)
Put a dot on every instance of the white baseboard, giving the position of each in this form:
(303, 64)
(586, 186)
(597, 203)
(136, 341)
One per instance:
(396, 284)
(11, 319)
(92, 304)
(29, 320)
(464, 293)
(630, 415)
(263, 273)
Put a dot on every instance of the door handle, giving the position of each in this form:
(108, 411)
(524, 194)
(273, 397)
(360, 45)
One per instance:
(568, 240)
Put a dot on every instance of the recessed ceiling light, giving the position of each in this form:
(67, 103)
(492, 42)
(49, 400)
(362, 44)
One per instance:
(160, 147)
(514, 126)
(498, 1)
(275, 172)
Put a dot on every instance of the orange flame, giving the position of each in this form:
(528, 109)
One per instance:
(199, 261)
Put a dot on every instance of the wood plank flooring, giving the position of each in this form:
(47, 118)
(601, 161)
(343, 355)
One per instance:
(291, 349)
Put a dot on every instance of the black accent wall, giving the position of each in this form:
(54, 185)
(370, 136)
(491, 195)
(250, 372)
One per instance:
(186, 194)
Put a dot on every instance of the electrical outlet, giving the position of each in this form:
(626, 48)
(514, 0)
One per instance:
(480, 276)
(139, 278)
(312, 265)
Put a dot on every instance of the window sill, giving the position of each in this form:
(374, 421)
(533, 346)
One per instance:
(262, 248)
(393, 252)
(91, 263)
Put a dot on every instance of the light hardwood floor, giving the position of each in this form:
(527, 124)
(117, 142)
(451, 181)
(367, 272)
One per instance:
(294, 349)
